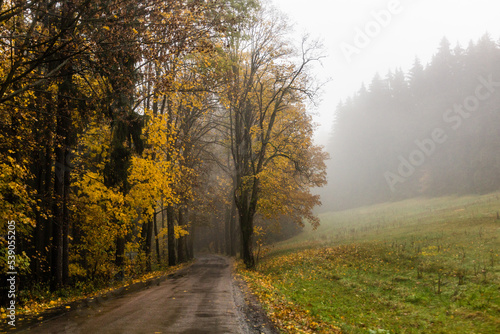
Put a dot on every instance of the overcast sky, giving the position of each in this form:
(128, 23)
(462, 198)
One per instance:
(361, 39)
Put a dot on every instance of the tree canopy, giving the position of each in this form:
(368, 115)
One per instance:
(127, 126)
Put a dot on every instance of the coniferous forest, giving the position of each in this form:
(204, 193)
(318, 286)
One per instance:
(431, 131)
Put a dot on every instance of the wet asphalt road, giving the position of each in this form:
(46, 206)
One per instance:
(200, 299)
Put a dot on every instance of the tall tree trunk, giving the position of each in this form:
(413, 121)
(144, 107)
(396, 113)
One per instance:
(120, 251)
(246, 226)
(148, 242)
(157, 242)
(63, 140)
(227, 231)
(43, 177)
(171, 236)
(220, 235)
(181, 242)
(66, 215)
(165, 237)
(233, 229)
(56, 262)
(47, 223)
(190, 243)
(61, 176)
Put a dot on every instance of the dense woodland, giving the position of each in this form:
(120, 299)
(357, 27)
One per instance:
(381, 146)
(134, 132)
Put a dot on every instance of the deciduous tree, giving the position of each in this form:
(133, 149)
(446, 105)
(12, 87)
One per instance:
(267, 80)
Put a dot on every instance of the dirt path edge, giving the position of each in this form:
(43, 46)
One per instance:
(254, 316)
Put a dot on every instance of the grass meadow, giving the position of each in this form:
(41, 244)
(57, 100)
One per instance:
(417, 266)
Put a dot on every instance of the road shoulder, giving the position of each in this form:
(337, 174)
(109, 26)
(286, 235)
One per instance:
(253, 317)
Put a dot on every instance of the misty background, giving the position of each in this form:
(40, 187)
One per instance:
(431, 131)
(422, 59)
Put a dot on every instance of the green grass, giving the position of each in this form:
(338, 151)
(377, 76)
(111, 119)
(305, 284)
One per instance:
(418, 266)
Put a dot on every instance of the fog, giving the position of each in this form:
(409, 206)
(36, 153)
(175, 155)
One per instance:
(377, 120)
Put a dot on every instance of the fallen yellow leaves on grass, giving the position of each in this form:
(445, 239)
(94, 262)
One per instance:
(286, 315)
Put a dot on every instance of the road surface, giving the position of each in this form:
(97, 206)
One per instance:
(203, 298)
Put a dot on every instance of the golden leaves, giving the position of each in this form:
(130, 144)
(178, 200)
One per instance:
(287, 315)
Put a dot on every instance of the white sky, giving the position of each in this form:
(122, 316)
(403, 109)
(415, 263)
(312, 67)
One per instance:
(415, 30)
